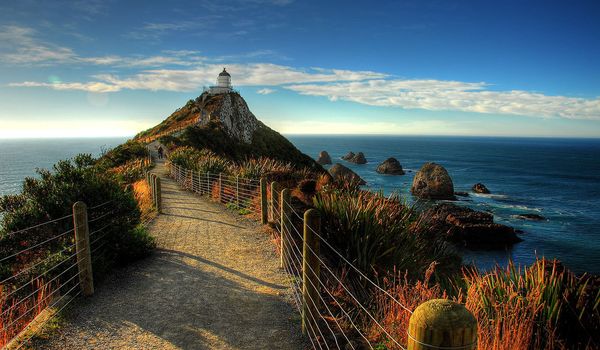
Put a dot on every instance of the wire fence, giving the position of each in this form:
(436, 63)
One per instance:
(337, 317)
(233, 191)
(45, 276)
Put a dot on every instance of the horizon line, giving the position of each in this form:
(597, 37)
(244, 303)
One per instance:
(321, 134)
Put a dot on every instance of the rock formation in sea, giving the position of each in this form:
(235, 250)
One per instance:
(324, 158)
(342, 173)
(390, 166)
(432, 182)
(472, 228)
(348, 156)
(359, 158)
(480, 188)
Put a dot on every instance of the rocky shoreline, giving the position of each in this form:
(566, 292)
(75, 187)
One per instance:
(432, 183)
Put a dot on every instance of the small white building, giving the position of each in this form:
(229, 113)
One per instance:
(223, 84)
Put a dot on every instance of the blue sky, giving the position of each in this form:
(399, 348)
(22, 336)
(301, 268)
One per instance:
(506, 68)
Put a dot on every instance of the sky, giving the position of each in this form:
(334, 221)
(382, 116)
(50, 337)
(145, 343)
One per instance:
(85, 68)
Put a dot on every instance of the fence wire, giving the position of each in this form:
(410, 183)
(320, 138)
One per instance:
(334, 319)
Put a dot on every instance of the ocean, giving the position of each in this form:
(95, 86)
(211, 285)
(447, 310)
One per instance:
(556, 178)
(20, 158)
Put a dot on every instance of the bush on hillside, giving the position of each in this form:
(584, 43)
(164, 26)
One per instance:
(130, 150)
(52, 196)
(379, 234)
(200, 160)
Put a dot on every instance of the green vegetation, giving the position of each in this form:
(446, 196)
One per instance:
(44, 256)
(118, 156)
(379, 234)
(52, 196)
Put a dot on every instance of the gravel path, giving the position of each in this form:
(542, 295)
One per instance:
(214, 283)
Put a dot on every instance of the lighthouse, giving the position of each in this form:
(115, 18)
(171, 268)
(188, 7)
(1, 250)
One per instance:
(223, 84)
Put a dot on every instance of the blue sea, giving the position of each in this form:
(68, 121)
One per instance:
(20, 158)
(556, 178)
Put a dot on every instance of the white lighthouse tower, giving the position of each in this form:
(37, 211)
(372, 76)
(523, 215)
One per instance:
(223, 84)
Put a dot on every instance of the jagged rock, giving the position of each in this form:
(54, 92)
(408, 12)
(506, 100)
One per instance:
(472, 228)
(480, 188)
(534, 217)
(236, 117)
(432, 182)
(324, 158)
(358, 158)
(390, 166)
(461, 194)
(348, 156)
(342, 173)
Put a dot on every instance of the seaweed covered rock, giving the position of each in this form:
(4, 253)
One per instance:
(390, 166)
(356, 158)
(432, 181)
(474, 229)
(348, 156)
(480, 188)
(359, 158)
(342, 173)
(324, 158)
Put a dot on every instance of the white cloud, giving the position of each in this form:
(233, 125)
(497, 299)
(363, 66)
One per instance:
(257, 74)
(89, 87)
(439, 95)
(266, 91)
(20, 45)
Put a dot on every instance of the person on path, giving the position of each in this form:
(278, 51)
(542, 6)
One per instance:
(160, 153)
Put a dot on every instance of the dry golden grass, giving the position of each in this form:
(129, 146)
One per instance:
(16, 313)
(143, 197)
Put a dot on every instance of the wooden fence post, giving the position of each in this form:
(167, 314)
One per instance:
(263, 201)
(153, 188)
(158, 195)
(274, 200)
(310, 270)
(442, 324)
(220, 187)
(284, 211)
(82, 247)
(208, 192)
(237, 191)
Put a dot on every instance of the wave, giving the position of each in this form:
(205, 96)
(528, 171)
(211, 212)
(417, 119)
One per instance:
(519, 206)
(489, 195)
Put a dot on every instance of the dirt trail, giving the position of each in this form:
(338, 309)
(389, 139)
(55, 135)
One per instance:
(214, 283)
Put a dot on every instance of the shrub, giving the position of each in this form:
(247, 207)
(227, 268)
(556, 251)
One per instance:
(256, 168)
(122, 154)
(378, 234)
(131, 171)
(543, 306)
(52, 196)
(49, 258)
(200, 160)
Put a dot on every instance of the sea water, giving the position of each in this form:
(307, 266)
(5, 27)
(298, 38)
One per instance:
(556, 178)
(20, 158)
